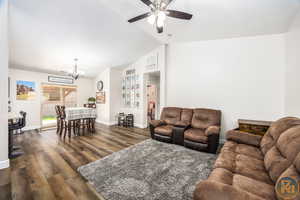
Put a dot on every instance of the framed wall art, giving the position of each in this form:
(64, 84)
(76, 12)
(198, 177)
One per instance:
(100, 97)
(26, 90)
(58, 79)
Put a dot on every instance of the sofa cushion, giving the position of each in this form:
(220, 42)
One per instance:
(244, 137)
(196, 135)
(275, 130)
(243, 165)
(253, 186)
(283, 153)
(243, 183)
(171, 115)
(186, 115)
(243, 149)
(164, 130)
(204, 118)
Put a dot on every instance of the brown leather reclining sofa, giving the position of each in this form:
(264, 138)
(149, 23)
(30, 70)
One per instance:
(194, 128)
(250, 167)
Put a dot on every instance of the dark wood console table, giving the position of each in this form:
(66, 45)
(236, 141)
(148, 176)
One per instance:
(254, 126)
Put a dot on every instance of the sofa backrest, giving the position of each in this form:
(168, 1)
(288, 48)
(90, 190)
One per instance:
(171, 115)
(283, 153)
(186, 115)
(275, 130)
(204, 118)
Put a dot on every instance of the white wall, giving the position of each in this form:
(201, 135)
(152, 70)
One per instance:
(142, 70)
(292, 97)
(112, 81)
(243, 77)
(33, 108)
(103, 110)
(3, 84)
(115, 93)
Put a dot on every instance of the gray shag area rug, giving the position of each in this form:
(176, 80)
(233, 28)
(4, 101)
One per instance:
(150, 170)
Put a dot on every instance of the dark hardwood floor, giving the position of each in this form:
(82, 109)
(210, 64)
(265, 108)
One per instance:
(48, 169)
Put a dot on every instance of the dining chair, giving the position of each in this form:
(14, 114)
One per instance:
(67, 126)
(129, 120)
(58, 119)
(88, 123)
(21, 123)
(121, 119)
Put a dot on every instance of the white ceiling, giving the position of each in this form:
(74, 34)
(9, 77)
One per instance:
(217, 19)
(48, 34)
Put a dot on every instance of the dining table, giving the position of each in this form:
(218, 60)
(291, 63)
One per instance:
(81, 113)
(76, 113)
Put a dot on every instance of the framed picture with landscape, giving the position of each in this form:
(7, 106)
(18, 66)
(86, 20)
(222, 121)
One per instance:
(26, 90)
(100, 97)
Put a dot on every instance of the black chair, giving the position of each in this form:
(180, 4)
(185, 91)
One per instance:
(129, 120)
(121, 119)
(21, 123)
(15, 126)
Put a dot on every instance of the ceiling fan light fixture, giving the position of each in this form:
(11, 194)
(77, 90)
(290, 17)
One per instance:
(161, 15)
(160, 23)
(151, 19)
(159, 12)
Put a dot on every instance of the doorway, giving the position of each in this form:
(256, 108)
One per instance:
(153, 96)
(53, 95)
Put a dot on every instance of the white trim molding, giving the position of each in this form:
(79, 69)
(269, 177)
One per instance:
(4, 164)
(30, 128)
(140, 126)
(105, 123)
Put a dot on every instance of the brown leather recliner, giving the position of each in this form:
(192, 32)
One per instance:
(203, 133)
(195, 128)
(162, 129)
(250, 166)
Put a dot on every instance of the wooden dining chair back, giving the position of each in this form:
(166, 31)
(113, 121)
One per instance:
(58, 118)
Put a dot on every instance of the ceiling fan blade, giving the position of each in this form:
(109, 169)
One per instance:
(143, 16)
(179, 14)
(147, 2)
(167, 2)
(159, 29)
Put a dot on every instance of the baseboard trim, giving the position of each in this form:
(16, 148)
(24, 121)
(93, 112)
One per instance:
(4, 164)
(105, 123)
(29, 128)
(139, 125)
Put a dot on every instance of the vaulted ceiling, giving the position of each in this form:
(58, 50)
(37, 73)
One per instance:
(47, 35)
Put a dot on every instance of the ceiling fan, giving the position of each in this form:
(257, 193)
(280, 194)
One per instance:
(159, 12)
(75, 73)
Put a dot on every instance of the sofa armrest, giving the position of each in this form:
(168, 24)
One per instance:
(212, 130)
(213, 134)
(182, 124)
(156, 123)
(244, 137)
(209, 190)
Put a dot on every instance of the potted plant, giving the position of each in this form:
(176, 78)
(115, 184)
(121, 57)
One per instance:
(92, 100)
